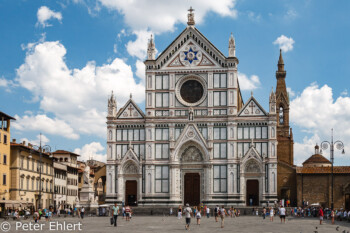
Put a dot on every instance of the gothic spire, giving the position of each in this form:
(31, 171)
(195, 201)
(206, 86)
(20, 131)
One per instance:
(151, 49)
(280, 62)
(231, 46)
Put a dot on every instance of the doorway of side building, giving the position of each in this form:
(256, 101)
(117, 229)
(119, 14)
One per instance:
(252, 194)
(347, 201)
(192, 189)
(131, 192)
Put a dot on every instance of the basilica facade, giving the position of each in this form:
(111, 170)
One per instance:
(197, 140)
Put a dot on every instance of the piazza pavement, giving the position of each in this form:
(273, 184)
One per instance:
(142, 224)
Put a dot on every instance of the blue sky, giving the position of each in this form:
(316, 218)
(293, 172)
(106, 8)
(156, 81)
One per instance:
(59, 61)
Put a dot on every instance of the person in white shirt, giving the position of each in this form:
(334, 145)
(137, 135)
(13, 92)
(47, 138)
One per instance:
(283, 214)
(188, 213)
(208, 212)
(223, 213)
(271, 214)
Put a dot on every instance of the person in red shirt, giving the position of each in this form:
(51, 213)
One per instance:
(320, 213)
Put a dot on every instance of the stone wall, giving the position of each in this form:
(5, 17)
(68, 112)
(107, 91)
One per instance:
(316, 188)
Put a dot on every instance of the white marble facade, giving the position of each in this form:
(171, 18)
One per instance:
(194, 122)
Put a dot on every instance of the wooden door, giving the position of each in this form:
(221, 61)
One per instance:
(131, 192)
(252, 194)
(192, 189)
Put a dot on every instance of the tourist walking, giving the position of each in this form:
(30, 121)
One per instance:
(115, 213)
(188, 213)
(332, 216)
(179, 212)
(271, 214)
(127, 213)
(223, 213)
(208, 212)
(264, 213)
(123, 210)
(283, 214)
(320, 213)
(216, 212)
(82, 212)
(198, 217)
(171, 211)
(36, 216)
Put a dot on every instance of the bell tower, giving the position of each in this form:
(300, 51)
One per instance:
(286, 170)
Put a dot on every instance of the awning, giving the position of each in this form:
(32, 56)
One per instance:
(15, 204)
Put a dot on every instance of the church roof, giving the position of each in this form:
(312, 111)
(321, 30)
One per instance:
(324, 170)
(317, 158)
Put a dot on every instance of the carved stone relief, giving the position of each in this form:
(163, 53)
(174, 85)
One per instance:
(191, 154)
(252, 167)
(130, 168)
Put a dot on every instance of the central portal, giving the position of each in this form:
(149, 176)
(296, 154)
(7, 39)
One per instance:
(252, 197)
(131, 192)
(192, 189)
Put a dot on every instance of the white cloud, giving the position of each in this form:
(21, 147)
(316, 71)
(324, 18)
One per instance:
(138, 48)
(290, 92)
(92, 150)
(304, 149)
(285, 43)
(44, 124)
(121, 33)
(36, 141)
(253, 16)
(140, 70)
(161, 16)
(291, 14)
(77, 97)
(115, 48)
(44, 14)
(344, 93)
(6, 84)
(246, 83)
(316, 113)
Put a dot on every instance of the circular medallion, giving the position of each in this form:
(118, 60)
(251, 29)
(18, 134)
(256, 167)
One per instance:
(191, 90)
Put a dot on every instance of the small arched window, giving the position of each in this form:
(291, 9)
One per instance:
(281, 116)
(110, 135)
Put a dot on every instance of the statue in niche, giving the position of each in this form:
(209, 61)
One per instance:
(192, 154)
(190, 114)
(130, 168)
(252, 167)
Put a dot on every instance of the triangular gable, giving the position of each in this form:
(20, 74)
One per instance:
(194, 38)
(191, 133)
(130, 155)
(252, 161)
(130, 110)
(252, 108)
(191, 55)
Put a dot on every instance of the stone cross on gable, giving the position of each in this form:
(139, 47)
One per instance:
(252, 105)
(130, 108)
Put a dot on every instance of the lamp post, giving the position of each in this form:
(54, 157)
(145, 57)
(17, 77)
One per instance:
(338, 145)
(40, 148)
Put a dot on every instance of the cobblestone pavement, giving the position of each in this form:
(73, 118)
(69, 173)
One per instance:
(143, 224)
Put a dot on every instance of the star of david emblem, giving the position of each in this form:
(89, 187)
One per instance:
(190, 55)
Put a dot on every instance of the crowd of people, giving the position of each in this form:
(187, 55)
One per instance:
(46, 213)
